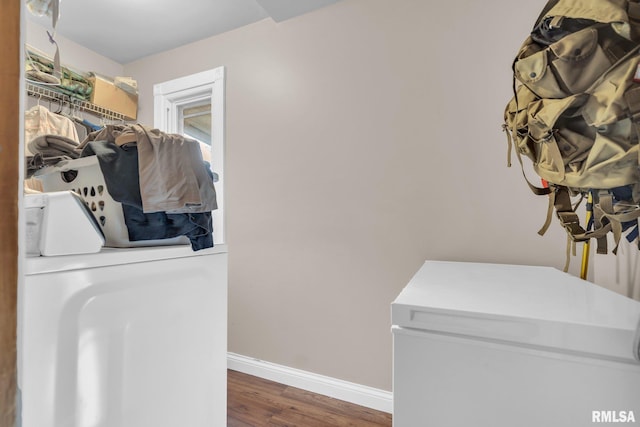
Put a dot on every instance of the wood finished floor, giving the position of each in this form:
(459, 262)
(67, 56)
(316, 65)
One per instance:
(255, 402)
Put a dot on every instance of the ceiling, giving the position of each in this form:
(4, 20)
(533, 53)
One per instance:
(126, 30)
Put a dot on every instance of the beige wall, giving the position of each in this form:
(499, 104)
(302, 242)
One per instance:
(362, 139)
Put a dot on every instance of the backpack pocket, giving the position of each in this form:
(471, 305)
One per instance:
(616, 98)
(574, 145)
(612, 161)
(564, 68)
(515, 118)
(557, 151)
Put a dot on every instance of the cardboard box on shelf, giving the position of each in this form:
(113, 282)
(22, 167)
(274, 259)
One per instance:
(107, 95)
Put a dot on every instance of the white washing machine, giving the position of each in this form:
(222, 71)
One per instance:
(488, 345)
(124, 338)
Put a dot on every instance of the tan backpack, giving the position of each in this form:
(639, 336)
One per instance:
(575, 114)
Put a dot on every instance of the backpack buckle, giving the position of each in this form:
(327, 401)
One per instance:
(571, 223)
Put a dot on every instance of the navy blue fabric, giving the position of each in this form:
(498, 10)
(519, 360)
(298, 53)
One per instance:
(621, 194)
(161, 225)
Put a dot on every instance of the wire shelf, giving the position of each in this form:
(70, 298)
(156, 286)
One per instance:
(49, 93)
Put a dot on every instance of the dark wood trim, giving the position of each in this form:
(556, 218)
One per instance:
(9, 187)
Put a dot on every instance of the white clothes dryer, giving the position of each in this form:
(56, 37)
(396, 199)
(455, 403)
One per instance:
(124, 338)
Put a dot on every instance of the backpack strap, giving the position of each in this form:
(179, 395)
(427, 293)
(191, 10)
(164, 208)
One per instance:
(565, 212)
(539, 191)
(596, 215)
(547, 222)
(575, 232)
(615, 219)
(605, 205)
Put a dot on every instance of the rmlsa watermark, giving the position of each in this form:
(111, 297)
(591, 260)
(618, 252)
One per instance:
(613, 417)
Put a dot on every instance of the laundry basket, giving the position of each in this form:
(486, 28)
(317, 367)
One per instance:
(84, 177)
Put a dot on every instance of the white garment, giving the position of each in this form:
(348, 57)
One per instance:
(40, 121)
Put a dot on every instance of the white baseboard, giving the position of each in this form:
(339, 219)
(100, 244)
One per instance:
(368, 397)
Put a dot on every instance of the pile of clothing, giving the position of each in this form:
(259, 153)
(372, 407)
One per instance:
(165, 187)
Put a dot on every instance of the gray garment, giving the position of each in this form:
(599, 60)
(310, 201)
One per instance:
(53, 146)
(107, 133)
(47, 150)
(173, 175)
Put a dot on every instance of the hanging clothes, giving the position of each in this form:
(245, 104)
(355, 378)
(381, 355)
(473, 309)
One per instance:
(49, 138)
(38, 121)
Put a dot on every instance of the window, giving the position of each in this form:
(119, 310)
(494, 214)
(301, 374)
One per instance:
(195, 120)
(193, 106)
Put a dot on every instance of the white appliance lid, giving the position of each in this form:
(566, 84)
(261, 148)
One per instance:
(525, 305)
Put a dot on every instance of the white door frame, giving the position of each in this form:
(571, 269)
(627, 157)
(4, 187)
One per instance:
(170, 95)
